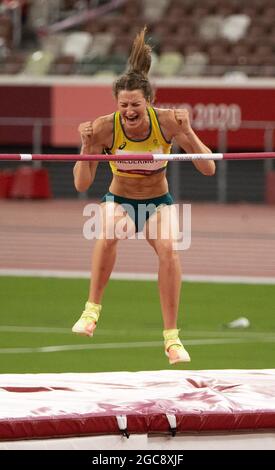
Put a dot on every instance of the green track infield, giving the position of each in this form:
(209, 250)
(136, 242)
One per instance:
(37, 315)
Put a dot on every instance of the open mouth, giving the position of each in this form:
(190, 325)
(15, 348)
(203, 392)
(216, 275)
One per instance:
(131, 119)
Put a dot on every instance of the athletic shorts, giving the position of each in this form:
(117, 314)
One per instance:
(140, 209)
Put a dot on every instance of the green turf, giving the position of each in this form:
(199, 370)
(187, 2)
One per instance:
(131, 314)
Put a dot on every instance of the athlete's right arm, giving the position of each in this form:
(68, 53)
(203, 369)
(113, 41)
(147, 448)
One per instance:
(92, 142)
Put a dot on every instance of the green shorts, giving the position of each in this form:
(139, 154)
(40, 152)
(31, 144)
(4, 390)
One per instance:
(139, 209)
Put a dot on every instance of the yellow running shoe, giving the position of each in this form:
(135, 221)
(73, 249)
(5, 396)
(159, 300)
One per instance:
(86, 324)
(173, 347)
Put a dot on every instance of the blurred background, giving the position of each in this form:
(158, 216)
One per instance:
(58, 60)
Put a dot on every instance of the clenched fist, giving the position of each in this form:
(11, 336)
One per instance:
(182, 118)
(86, 133)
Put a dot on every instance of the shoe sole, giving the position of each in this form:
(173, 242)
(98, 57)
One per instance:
(82, 333)
(178, 360)
(175, 361)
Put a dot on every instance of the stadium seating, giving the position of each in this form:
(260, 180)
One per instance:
(226, 36)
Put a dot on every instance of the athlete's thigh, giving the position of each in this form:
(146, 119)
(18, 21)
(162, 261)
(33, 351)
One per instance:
(163, 224)
(115, 221)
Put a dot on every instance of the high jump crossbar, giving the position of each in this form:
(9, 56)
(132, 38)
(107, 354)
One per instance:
(138, 157)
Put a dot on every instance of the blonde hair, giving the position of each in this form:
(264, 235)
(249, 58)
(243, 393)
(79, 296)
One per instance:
(139, 63)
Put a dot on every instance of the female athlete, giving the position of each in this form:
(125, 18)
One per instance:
(137, 127)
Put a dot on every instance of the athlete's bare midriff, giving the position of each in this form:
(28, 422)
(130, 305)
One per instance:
(147, 187)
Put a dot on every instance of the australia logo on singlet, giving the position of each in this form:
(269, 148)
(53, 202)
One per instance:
(122, 146)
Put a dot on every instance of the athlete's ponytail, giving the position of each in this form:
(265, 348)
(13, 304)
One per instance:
(136, 77)
(140, 57)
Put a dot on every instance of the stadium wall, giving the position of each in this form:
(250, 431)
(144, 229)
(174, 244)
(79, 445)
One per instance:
(42, 115)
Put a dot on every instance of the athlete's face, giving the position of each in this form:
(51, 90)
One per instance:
(132, 107)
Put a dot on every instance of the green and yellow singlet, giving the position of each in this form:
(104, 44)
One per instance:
(155, 142)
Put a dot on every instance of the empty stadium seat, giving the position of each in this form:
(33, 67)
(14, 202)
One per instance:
(101, 44)
(194, 64)
(169, 64)
(38, 63)
(234, 27)
(76, 44)
(153, 11)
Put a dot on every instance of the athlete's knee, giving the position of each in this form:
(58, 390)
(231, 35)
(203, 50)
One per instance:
(166, 250)
(107, 243)
(110, 243)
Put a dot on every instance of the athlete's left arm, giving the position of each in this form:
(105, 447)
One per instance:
(189, 141)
